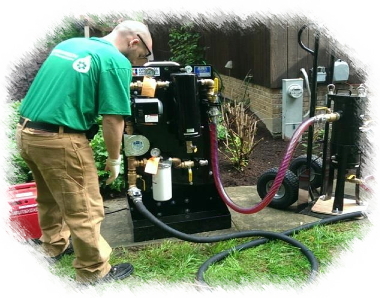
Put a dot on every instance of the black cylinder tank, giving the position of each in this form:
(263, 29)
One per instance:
(346, 134)
(187, 105)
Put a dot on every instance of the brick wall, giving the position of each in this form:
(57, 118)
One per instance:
(266, 103)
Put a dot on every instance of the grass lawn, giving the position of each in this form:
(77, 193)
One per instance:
(175, 261)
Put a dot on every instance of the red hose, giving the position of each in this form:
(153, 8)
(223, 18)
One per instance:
(278, 179)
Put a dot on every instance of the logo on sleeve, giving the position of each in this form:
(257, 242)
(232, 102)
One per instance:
(82, 64)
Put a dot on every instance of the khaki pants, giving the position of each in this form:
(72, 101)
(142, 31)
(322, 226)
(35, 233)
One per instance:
(68, 197)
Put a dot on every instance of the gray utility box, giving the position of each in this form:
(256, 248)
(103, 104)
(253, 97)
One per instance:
(292, 106)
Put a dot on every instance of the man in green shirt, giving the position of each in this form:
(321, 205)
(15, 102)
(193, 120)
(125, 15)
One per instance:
(81, 79)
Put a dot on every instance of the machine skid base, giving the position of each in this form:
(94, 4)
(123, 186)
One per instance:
(326, 207)
(144, 230)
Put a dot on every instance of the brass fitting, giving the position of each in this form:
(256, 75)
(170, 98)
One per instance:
(322, 118)
(133, 163)
(190, 148)
(211, 89)
(332, 117)
(161, 84)
(132, 175)
(138, 85)
(186, 164)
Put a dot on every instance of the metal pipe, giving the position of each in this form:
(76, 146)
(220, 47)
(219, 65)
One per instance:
(139, 84)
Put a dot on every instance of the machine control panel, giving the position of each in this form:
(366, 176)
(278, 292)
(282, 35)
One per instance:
(146, 71)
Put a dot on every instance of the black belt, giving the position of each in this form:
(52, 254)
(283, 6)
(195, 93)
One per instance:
(48, 127)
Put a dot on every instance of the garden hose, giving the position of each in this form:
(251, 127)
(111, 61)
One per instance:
(222, 255)
(267, 235)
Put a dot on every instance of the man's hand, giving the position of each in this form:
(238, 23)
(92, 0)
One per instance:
(113, 165)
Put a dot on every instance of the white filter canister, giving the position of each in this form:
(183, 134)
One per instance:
(341, 71)
(162, 182)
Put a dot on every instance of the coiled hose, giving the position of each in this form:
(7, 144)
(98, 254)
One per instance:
(222, 255)
(267, 235)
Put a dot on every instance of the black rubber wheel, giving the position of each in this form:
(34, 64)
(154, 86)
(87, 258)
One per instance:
(286, 195)
(298, 167)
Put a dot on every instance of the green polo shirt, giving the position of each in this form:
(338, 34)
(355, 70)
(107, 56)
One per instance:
(81, 79)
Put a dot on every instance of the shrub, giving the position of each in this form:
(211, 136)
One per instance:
(239, 128)
(21, 172)
(183, 43)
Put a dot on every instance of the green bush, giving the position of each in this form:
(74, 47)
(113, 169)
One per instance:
(183, 43)
(21, 172)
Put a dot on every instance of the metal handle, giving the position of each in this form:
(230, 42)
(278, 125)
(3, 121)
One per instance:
(300, 41)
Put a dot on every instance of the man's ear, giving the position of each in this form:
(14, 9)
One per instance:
(133, 42)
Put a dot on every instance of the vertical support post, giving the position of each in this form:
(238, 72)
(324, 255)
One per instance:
(86, 28)
(340, 181)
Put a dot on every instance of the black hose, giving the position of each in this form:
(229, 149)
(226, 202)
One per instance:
(222, 255)
(266, 234)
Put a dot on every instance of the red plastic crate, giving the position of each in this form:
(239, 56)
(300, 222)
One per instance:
(24, 214)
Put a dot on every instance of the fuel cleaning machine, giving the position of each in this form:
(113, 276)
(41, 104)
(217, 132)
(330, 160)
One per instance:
(166, 149)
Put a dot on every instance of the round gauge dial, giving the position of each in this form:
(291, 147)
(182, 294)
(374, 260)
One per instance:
(150, 72)
(188, 69)
(155, 152)
(135, 145)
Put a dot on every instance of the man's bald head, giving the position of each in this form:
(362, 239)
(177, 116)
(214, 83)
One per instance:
(133, 28)
(129, 37)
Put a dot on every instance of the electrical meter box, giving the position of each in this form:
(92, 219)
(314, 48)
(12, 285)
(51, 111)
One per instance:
(292, 106)
(24, 216)
(321, 74)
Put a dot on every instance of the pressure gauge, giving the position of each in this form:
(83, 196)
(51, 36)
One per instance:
(150, 72)
(135, 145)
(155, 152)
(188, 69)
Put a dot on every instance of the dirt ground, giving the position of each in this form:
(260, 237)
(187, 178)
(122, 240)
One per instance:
(267, 154)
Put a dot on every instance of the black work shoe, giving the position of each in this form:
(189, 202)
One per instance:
(118, 272)
(68, 251)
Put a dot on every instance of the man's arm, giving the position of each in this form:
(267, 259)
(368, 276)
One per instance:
(113, 126)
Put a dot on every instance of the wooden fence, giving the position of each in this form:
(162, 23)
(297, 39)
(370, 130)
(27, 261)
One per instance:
(265, 50)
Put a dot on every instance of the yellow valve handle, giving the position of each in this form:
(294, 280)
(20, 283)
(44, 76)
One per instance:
(190, 171)
(216, 85)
